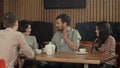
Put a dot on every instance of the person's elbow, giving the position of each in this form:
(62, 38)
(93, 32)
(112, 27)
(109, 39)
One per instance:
(75, 48)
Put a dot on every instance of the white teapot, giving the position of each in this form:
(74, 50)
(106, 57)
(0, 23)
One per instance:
(50, 49)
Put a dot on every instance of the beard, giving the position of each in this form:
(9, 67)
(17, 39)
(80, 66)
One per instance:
(60, 29)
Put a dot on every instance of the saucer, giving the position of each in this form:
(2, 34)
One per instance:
(82, 53)
(38, 51)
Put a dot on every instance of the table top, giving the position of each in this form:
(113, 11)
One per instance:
(76, 58)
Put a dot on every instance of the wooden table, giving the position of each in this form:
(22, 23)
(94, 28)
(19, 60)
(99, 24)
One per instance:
(76, 58)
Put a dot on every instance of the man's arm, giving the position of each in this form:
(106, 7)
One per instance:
(24, 47)
(73, 44)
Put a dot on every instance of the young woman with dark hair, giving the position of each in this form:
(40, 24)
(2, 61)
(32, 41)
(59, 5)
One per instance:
(105, 43)
(25, 29)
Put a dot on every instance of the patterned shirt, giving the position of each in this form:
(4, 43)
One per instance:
(107, 48)
(10, 40)
(60, 43)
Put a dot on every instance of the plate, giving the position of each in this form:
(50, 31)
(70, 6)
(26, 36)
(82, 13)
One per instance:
(82, 53)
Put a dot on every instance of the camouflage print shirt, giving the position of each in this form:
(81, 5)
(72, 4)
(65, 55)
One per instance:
(60, 43)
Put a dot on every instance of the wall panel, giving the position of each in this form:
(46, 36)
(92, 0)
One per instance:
(1, 12)
(96, 10)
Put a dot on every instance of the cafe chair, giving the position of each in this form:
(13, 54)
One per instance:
(87, 45)
(2, 63)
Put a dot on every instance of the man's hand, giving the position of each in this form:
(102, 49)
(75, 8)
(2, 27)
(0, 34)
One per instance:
(64, 34)
(68, 41)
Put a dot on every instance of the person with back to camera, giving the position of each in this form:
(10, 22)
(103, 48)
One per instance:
(25, 28)
(11, 40)
(105, 42)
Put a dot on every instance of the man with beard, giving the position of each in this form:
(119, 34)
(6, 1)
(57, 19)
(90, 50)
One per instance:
(66, 39)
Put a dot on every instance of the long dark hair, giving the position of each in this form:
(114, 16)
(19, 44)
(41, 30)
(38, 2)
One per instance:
(104, 32)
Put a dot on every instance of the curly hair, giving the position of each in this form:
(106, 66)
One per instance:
(23, 24)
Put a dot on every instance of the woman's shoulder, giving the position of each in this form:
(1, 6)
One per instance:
(32, 37)
(111, 39)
